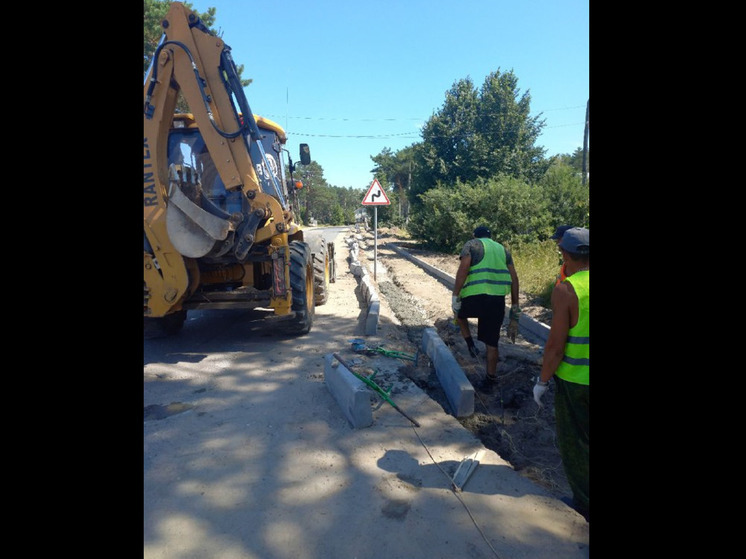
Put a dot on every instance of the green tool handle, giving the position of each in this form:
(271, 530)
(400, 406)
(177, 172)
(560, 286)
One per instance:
(397, 354)
(375, 387)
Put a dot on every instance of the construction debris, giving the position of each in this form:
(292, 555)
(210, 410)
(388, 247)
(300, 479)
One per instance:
(465, 469)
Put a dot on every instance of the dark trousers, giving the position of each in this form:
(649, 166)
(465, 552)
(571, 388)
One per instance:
(489, 310)
(571, 405)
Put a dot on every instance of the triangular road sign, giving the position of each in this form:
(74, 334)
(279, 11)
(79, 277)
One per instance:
(376, 196)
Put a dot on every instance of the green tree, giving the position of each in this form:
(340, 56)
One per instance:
(155, 13)
(565, 195)
(478, 134)
(336, 205)
(446, 153)
(312, 176)
(350, 199)
(326, 207)
(331, 205)
(338, 216)
(507, 134)
(576, 160)
(394, 172)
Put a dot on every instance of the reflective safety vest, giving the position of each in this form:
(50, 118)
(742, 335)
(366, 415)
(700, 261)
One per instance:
(575, 365)
(490, 276)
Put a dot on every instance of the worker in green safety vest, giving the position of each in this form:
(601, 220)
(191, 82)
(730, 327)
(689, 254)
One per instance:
(485, 275)
(567, 360)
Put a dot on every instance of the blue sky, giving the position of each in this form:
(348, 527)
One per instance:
(351, 78)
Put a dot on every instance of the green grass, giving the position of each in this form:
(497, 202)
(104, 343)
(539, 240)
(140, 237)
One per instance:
(537, 265)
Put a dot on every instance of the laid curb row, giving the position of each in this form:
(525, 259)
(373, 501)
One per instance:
(350, 392)
(366, 286)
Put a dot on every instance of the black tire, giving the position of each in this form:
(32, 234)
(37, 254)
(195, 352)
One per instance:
(321, 272)
(301, 283)
(332, 266)
(165, 326)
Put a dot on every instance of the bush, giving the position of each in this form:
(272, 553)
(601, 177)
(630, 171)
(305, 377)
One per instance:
(513, 210)
(537, 264)
(565, 194)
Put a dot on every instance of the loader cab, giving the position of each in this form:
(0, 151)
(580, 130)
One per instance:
(187, 147)
(273, 142)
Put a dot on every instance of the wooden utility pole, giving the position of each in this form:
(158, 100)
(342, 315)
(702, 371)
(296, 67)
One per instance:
(409, 188)
(585, 142)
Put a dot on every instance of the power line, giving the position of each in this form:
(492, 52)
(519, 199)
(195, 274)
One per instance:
(563, 108)
(402, 135)
(390, 119)
(563, 125)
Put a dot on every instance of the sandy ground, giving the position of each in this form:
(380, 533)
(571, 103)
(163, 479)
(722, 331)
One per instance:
(247, 454)
(506, 419)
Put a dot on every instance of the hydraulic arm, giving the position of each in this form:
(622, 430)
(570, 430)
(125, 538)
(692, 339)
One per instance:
(220, 208)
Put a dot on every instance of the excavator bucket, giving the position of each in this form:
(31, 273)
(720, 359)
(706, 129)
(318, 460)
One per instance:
(192, 230)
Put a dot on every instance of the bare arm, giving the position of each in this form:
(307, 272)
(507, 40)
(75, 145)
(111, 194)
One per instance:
(462, 273)
(554, 349)
(514, 285)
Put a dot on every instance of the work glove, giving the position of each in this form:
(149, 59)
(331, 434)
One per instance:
(512, 329)
(455, 304)
(539, 390)
(515, 313)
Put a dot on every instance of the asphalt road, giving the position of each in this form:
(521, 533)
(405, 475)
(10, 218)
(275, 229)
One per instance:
(247, 454)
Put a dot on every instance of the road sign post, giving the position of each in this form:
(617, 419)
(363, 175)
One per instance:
(375, 197)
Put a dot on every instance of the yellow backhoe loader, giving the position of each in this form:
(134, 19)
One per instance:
(220, 228)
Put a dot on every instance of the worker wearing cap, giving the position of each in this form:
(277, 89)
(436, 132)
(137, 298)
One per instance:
(557, 237)
(485, 276)
(567, 360)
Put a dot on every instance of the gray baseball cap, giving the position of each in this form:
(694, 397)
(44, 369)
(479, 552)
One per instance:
(576, 240)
